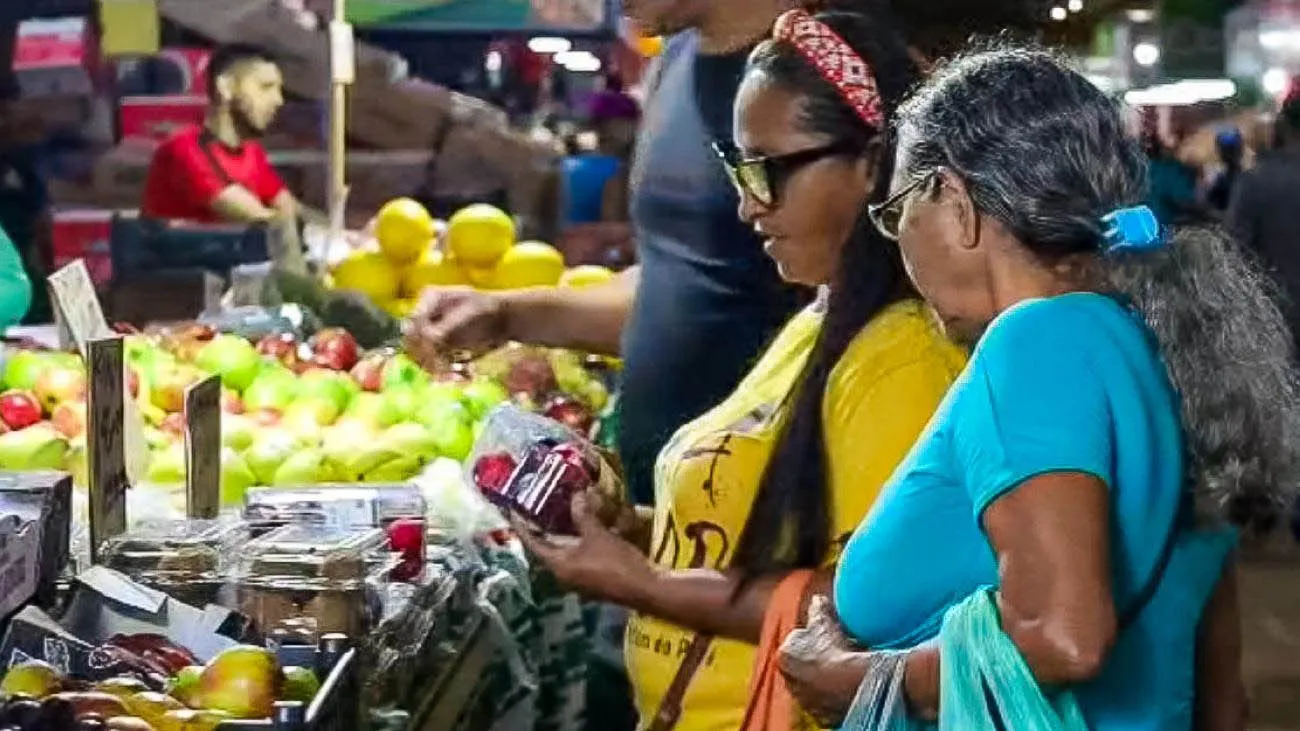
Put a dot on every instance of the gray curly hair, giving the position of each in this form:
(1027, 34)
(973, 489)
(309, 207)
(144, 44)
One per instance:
(1045, 152)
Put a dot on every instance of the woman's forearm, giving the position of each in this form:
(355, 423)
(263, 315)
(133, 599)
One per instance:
(705, 600)
(921, 681)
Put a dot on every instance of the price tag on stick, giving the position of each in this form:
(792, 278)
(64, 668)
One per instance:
(80, 319)
(107, 463)
(203, 448)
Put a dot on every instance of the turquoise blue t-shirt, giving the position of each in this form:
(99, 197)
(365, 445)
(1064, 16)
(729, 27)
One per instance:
(1073, 383)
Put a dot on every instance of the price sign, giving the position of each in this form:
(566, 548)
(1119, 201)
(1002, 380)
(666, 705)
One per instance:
(107, 464)
(81, 320)
(203, 448)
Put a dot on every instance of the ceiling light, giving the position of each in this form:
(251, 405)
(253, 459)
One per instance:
(545, 45)
(1146, 53)
(1276, 81)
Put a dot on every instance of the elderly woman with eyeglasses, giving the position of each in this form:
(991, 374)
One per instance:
(1129, 387)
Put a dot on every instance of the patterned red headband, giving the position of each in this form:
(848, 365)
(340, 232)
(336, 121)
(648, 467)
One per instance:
(834, 60)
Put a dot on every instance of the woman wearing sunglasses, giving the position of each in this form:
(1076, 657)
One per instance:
(1130, 388)
(775, 478)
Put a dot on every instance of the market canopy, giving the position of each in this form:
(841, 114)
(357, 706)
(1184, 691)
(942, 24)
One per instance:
(482, 15)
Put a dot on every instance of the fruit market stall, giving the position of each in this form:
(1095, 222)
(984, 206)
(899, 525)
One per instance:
(347, 501)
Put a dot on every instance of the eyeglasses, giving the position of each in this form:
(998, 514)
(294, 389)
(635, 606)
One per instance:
(887, 217)
(763, 178)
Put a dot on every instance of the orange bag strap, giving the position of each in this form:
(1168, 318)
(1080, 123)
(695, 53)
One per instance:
(771, 706)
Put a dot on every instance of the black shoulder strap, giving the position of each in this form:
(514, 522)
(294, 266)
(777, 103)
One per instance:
(206, 141)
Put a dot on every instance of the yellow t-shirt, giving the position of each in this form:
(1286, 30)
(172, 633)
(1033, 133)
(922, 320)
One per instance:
(880, 396)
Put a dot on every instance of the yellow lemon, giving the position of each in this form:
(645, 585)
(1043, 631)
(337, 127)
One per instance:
(368, 272)
(587, 275)
(400, 307)
(529, 264)
(480, 234)
(479, 277)
(405, 230)
(433, 269)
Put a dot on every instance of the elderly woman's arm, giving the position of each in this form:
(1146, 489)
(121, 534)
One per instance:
(1050, 537)
(1221, 703)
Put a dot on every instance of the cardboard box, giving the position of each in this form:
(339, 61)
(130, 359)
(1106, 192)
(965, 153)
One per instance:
(84, 234)
(56, 57)
(106, 603)
(120, 174)
(34, 536)
(159, 117)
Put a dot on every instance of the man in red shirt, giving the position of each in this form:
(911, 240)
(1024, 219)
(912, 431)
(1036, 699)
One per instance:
(219, 172)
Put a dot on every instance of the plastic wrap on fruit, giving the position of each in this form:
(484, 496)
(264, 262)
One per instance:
(532, 466)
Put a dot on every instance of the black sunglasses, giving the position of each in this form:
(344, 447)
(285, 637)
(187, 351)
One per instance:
(763, 178)
(887, 217)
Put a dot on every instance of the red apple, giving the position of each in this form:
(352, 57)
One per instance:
(335, 348)
(266, 417)
(282, 347)
(532, 375)
(173, 423)
(492, 471)
(69, 419)
(570, 413)
(406, 537)
(369, 372)
(230, 402)
(19, 409)
(57, 385)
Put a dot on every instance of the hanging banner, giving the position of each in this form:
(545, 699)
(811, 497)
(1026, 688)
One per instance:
(557, 16)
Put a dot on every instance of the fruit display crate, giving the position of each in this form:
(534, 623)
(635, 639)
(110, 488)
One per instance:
(337, 704)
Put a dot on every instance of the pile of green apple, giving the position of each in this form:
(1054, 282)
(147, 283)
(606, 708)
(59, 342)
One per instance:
(42, 411)
(292, 413)
(300, 414)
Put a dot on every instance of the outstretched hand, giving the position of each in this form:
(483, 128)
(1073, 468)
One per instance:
(597, 562)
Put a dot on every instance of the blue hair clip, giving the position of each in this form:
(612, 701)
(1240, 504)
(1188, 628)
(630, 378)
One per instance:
(1132, 230)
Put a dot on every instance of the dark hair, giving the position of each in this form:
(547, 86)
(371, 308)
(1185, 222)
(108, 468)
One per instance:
(1044, 152)
(790, 523)
(231, 55)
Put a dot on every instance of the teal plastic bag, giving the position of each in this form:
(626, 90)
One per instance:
(981, 674)
(981, 667)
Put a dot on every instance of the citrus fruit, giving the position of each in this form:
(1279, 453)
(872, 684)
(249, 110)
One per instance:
(405, 230)
(478, 235)
(368, 272)
(529, 264)
(433, 269)
(479, 277)
(587, 275)
(399, 307)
